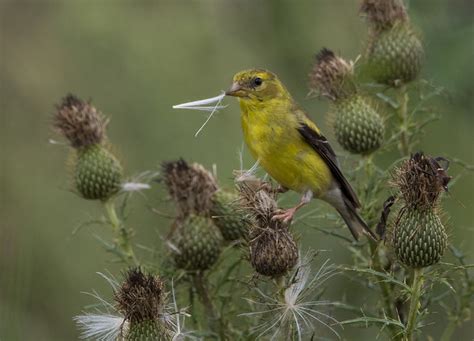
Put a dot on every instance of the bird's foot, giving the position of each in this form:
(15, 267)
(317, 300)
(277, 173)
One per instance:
(285, 216)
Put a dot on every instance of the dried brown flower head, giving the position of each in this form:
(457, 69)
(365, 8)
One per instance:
(190, 186)
(80, 122)
(140, 298)
(331, 76)
(421, 179)
(273, 250)
(383, 14)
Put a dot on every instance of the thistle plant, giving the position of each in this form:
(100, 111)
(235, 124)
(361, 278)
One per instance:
(98, 174)
(358, 127)
(240, 273)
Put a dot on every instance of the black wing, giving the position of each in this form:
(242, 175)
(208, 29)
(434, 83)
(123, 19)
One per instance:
(321, 145)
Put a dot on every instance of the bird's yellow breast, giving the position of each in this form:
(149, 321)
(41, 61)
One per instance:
(270, 132)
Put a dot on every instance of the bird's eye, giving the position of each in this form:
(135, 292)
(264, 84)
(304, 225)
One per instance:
(257, 81)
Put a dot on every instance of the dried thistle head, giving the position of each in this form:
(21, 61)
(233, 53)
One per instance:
(80, 122)
(331, 76)
(273, 250)
(258, 198)
(190, 186)
(383, 14)
(421, 179)
(140, 297)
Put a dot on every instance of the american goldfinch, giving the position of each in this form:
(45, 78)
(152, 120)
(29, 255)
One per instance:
(291, 148)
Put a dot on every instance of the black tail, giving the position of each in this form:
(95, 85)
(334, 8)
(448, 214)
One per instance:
(354, 221)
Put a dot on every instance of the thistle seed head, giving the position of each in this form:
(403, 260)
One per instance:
(273, 250)
(421, 179)
(331, 76)
(140, 297)
(79, 122)
(190, 186)
(383, 14)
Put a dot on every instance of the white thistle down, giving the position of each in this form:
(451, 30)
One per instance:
(100, 327)
(202, 106)
(108, 324)
(295, 314)
(139, 182)
(134, 186)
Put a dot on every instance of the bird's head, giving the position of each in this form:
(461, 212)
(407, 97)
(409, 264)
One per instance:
(256, 85)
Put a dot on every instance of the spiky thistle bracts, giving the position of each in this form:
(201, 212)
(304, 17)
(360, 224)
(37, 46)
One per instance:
(419, 237)
(97, 172)
(357, 125)
(273, 250)
(227, 215)
(394, 52)
(195, 243)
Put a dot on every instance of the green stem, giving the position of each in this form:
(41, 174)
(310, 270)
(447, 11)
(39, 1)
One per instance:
(405, 148)
(122, 234)
(414, 303)
(215, 323)
(386, 290)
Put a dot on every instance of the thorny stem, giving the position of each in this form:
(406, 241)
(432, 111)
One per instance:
(402, 112)
(215, 323)
(122, 234)
(385, 288)
(414, 303)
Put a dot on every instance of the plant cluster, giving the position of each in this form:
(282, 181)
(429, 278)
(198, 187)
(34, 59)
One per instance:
(238, 273)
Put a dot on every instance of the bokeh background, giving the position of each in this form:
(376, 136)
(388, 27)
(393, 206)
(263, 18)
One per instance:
(135, 59)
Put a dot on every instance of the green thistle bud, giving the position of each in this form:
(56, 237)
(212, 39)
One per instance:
(395, 52)
(228, 216)
(147, 331)
(196, 243)
(97, 172)
(359, 129)
(419, 237)
(141, 300)
(273, 250)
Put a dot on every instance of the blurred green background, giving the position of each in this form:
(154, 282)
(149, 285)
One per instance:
(135, 59)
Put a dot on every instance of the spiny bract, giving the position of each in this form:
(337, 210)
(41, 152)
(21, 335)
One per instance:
(395, 56)
(358, 127)
(228, 216)
(196, 243)
(148, 331)
(97, 173)
(419, 238)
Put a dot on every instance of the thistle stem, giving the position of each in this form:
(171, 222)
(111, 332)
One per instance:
(402, 112)
(414, 302)
(122, 234)
(215, 323)
(386, 291)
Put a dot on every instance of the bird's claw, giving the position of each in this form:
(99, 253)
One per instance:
(285, 216)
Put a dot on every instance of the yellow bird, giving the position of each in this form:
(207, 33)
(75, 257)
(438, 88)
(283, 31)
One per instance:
(291, 148)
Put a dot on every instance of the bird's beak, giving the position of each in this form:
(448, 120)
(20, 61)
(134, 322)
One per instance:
(235, 90)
